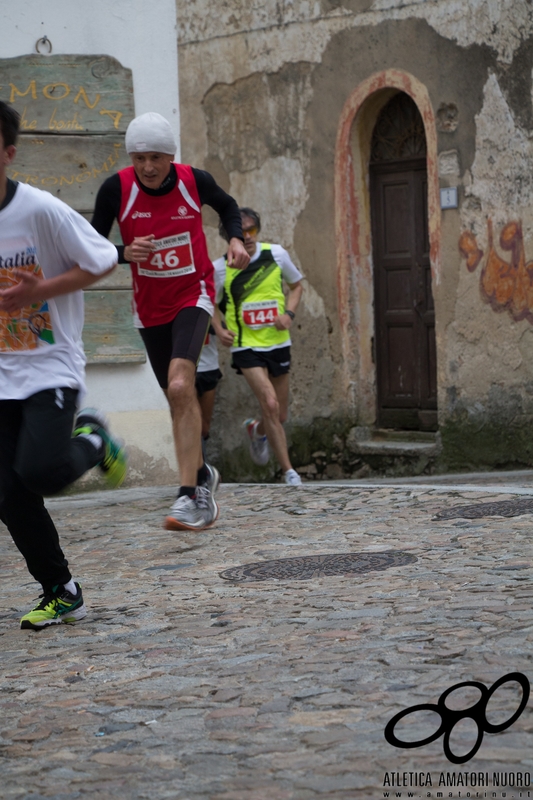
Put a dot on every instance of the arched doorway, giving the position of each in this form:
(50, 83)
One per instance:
(404, 343)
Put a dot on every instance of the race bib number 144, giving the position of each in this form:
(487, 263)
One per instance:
(261, 314)
(172, 257)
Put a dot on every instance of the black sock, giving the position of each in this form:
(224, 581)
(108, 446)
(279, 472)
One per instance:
(203, 475)
(190, 491)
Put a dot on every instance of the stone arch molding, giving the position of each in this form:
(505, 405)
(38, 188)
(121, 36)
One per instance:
(353, 232)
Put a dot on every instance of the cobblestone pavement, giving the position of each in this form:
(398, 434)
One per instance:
(180, 684)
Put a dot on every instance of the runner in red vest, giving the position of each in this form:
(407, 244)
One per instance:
(158, 207)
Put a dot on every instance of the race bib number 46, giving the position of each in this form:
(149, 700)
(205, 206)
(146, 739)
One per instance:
(261, 314)
(172, 257)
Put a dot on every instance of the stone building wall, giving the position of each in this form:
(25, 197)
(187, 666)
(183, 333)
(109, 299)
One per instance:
(265, 89)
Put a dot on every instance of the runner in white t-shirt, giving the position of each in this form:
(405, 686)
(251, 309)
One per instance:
(48, 254)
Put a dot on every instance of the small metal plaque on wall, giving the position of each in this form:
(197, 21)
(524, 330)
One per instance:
(448, 197)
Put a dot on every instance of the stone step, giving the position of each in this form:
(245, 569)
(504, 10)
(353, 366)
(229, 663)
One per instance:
(366, 441)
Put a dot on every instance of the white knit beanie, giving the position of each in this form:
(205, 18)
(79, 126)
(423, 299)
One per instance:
(150, 133)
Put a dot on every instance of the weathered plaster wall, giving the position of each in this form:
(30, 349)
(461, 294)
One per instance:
(489, 381)
(263, 86)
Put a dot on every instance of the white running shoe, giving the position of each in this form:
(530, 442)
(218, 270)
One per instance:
(259, 452)
(205, 500)
(205, 494)
(292, 478)
(189, 515)
(214, 477)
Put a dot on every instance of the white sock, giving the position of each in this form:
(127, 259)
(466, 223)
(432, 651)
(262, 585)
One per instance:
(71, 587)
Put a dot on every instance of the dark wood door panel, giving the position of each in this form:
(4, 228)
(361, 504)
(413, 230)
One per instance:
(396, 205)
(401, 382)
(398, 290)
(404, 308)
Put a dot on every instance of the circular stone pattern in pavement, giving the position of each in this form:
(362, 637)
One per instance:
(503, 508)
(303, 568)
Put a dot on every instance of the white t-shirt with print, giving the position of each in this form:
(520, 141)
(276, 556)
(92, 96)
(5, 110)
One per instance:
(289, 272)
(209, 356)
(40, 345)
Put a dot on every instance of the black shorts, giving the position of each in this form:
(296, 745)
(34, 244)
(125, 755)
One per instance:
(277, 362)
(207, 381)
(184, 337)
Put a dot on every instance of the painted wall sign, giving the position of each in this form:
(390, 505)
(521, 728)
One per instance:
(73, 168)
(68, 94)
(74, 113)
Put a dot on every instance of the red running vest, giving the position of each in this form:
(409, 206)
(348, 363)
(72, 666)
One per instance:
(179, 272)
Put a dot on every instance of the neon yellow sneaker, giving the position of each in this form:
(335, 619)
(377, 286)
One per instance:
(56, 606)
(114, 463)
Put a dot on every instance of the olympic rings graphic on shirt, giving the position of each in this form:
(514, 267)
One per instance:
(449, 717)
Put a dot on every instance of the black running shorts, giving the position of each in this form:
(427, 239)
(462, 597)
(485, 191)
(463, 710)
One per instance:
(207, 381)
(277, 362)
(182, 338)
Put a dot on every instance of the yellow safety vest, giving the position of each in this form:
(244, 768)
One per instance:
(253, 298)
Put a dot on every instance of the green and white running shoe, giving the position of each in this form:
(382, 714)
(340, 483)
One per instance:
(114, 463)
(56, 606)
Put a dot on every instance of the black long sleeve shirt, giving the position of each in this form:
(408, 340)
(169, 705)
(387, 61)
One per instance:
(109, 197)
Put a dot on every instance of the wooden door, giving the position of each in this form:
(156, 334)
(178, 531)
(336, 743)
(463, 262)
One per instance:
(405, 351)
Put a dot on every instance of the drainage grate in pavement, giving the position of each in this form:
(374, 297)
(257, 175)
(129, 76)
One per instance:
(503, 508)
(302, 568)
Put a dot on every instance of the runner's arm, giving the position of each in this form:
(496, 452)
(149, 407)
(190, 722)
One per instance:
(284, 321)
(211, 194)
(225, 336)
(31, 289)
(293, 278)
(107, 209)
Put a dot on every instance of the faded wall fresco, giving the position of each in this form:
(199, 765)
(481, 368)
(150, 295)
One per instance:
(263, 86)
(506, 284)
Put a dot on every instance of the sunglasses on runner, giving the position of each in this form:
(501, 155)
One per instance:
(253, 231)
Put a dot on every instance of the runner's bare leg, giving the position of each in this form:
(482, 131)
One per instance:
(207, 404)
(186, 419)
(261, 385)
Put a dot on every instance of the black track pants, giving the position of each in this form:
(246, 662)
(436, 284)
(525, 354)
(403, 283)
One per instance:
(38, 456)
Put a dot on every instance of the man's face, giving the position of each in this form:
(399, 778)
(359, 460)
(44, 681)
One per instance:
(7, 154)
(151, 168)
(250, 232)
